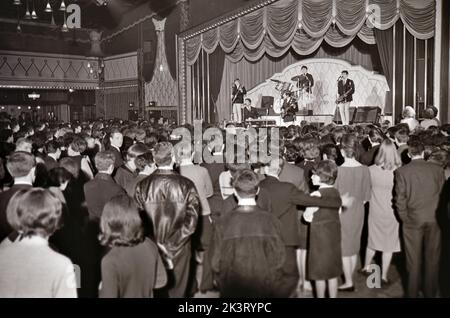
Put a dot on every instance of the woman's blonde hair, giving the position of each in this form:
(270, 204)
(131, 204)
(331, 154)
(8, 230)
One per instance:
(388, 157)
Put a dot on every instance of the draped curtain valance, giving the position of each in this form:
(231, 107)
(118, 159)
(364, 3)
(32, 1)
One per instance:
(303, 24)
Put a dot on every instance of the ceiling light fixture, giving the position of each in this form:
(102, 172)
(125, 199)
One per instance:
(63, 6)
(48, 8)
(27, 12)
(33, 14)
(17, 2)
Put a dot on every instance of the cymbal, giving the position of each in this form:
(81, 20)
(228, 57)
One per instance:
(276, 81)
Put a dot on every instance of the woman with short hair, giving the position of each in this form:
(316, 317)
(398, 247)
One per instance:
(353, 178)
(383, 226)
(29, 267)
(132, 268)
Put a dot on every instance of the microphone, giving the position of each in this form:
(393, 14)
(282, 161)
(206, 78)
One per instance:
(339, 78)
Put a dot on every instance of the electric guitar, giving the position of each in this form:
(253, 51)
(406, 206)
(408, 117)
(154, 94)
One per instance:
(341, 98)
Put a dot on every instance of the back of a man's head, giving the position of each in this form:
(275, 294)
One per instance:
(52, 146)
(163, 154)
(246, 184)
(24, 144)
(402, 134)
(71, 165)
(104, 160)
(415, 147)
(20, 163)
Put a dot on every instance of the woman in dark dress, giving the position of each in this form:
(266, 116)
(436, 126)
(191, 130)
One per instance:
(324, 253)
(310, 152)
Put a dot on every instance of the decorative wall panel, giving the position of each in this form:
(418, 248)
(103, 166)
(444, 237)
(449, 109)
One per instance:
(49, 71)
(121, 67)
(163, 88)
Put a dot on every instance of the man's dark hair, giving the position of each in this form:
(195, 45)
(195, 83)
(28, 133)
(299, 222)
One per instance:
(415, 147)
(52, 146)
(246, 183)
(345, 72)
(304, 67)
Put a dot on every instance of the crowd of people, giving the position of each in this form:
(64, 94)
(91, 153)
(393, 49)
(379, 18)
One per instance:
(112, 208)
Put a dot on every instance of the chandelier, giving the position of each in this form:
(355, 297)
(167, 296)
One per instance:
(96, 69)
(52, 8)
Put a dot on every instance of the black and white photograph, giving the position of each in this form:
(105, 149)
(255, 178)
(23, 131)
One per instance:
(231, 154)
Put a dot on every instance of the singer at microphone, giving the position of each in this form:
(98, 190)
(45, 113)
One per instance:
(306, 80)
(237, 99)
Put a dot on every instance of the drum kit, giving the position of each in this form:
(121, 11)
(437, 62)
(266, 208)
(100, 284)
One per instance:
(302, 95)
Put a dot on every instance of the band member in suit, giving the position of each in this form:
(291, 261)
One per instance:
(249, 111)
(289, 108)
(346, 89)
(237, 99)
(305, 81)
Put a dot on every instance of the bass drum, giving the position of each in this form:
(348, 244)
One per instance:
(277, 106)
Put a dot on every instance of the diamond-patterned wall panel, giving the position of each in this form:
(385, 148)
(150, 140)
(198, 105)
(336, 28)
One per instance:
(45, 70)
(370, 88)
(121, 67)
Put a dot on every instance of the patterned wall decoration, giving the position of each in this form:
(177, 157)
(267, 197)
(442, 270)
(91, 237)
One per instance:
(163, 88)
(121, 67)
(119, 87)
(49, 71)
(370, 88)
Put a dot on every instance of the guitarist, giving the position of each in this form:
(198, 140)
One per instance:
(237, 99)
(289, 108)
(346, 89)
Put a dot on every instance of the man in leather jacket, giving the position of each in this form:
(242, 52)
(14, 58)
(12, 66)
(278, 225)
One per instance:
(172, 204)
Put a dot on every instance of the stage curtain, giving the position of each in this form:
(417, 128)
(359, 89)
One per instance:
(304, 24)
(216, 66)
(385, 47)
(171, 29)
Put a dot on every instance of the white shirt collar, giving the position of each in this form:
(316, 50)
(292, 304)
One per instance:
(34, 240)
(186, 163)
(52, 155)
(22, 182)
(165, 168)
(247, 202)
(272, 175)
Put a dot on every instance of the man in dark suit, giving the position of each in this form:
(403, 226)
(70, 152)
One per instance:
(102, 188)
(346, 89)
(401, 142)
(289, 108)
(237, 99)
(116, 141)
(53, 151)
(417, 190)
(21, 165)
(295, 175)
(284, 198)
(250, 112)
(98, 192)
(371, 146)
